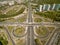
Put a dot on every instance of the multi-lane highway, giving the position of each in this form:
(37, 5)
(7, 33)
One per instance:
(30, 32)
(29, 24)
(30, 27)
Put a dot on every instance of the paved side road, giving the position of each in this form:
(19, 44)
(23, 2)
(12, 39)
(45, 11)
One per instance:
(6, 29)
(53, 35)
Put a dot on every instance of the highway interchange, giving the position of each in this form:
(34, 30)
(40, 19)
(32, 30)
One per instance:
(30, 28)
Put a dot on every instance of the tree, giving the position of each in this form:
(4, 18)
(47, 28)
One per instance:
(47, 1)
(3, 41)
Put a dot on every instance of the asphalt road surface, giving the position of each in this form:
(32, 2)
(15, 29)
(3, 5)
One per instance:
(30, 32)
(9, 35)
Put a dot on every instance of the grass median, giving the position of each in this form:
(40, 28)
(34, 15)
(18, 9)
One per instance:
(11, 13)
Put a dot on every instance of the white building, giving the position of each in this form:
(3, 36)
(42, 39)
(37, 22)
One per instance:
(41, 8)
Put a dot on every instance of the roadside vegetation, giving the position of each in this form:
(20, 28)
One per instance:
(53, 15)
(41, 31)
(47, 20)
(11, 13)
(22, 19)
(20, 42)
(58, 40)
(46, 1)
(3, 41)
(3, 38)
(37, 20)
(51, 28)
(38, 41)
(10, 28)
(19, 31)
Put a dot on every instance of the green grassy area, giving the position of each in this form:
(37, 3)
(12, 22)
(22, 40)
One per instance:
(46, 1)
(1, 27)
(10, 28)
(2, 33)
(41, 31)
(3, 7)
(46, 20)
(38, 41)
(10, 43)
(53, 15)
(3, 19)
(3, 38)
(13, 10)
(22, 19)
(51, 28)
(10, 20)
(20, 42)
(37, 20)
(19, 31)
(19, 19)
(11, 13)
(3, 41)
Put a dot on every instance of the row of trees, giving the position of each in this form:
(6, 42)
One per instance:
(13, 14)
(54, 15)
(3, 41)
(46, 1)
